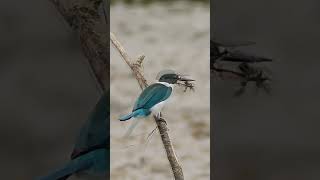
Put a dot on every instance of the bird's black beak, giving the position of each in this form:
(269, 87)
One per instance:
(182, 78)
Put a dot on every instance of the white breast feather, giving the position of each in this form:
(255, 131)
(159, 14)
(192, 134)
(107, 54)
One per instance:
(156, 109)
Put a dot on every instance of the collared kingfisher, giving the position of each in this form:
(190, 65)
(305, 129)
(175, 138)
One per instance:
(90, 157)
(153, 98)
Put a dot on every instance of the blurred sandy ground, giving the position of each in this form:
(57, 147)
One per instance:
(171, 36)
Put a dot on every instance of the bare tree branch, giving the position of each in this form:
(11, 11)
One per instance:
(136, 67)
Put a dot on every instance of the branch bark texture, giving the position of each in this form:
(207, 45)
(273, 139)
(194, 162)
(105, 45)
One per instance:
(136, 67)
(84, 18)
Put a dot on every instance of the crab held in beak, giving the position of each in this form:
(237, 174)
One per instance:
(186, 82)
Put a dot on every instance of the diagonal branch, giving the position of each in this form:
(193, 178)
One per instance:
(136, 68)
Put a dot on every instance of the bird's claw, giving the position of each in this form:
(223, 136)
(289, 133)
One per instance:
(162, 120)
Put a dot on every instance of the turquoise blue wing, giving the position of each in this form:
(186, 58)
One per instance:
(72, 167)
(94, 131)
(100, 162)
(94, 164)
(152, 95)
(90, 151)
(145, 96)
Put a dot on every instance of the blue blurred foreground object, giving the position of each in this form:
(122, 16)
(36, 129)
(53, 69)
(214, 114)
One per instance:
(90, 157)
(153, 98)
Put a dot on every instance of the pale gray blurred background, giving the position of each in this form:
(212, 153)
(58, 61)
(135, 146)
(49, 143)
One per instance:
(171, 36)
(269, 137)
(46, 89)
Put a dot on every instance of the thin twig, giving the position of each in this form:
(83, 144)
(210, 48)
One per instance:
(136, 68)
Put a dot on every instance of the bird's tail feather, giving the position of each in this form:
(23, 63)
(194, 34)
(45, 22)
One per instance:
(126, 117)
(136, 113)
(66, 171)
(134, 123)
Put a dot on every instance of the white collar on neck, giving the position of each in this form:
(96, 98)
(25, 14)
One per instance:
(166, 84)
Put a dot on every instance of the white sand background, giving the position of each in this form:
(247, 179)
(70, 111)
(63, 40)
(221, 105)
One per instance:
(171, 36)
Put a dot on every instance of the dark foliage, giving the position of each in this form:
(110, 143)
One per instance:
(245, 66)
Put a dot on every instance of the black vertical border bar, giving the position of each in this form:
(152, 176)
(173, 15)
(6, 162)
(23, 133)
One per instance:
(212, 134)
(106, 16)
